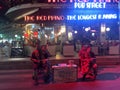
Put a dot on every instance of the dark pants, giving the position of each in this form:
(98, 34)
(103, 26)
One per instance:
(42, 68)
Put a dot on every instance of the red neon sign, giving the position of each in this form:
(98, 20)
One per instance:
(44, 18)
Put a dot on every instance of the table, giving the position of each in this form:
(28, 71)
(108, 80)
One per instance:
(65, 73)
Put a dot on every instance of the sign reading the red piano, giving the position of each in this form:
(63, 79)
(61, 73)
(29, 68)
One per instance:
(44, 18)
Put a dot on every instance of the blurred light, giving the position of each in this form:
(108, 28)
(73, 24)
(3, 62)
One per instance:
(46, 36)
(16, 35)
(75, 32)
(4, 40)
(93, 30)
(42, 25)
(48, 28)
(52, 32)
(1, 36)
(102, 29)
(35, 34)
(87, 29)
(26, 35)
(69, 35)
(1, 41)
(33, 26)
(10, 40)
(62, 29)
(93, 34)
(59, 33)
(107, 29)
(23, 36)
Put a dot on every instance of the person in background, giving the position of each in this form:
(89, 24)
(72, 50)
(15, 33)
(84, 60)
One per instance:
(88, 61)
(83, 56)
(93, 64)
(85, 40)
(45, 53)
(40, 64)
(35, 58)
(78, 45)
(46, 64)
(7, 49)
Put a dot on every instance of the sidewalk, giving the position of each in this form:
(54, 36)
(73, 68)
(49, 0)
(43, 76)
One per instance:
(108, 79)
(25, 63)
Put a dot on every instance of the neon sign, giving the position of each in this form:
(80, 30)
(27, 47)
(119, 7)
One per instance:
(73, 1)
(90, 5)
(44, 18)
(92, 17)
(70, 17)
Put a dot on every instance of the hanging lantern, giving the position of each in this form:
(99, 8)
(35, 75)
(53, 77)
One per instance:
(35, 34)
(26, 35)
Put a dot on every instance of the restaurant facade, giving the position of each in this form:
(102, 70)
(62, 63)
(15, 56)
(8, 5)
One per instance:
(69, 21)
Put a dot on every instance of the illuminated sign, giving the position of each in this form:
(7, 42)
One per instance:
(73, 1)
(90, 5)
(92, 17)
(44, 18)
(70, 17)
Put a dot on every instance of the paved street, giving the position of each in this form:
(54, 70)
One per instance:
(108, 79)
